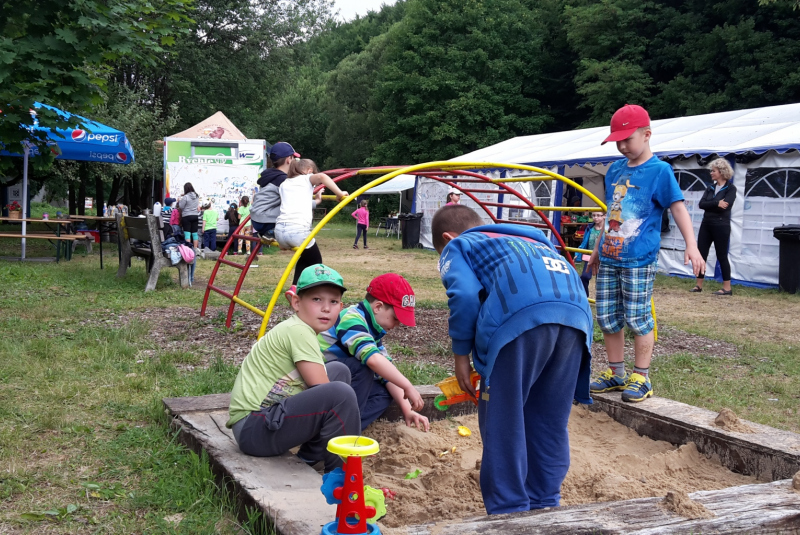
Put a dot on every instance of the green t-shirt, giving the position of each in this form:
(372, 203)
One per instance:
(268, 373)
(244, 211)
(210, 218)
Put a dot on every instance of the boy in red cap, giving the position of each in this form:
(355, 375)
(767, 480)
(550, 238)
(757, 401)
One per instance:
(355, 340)
(638, 190)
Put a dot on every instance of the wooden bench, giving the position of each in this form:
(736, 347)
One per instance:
(41, 235)
(146, 229)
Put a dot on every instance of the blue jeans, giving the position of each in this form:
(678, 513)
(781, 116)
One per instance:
(523, 417)
(210, 239)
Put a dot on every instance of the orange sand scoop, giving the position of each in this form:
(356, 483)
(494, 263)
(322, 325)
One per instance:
(452, 393)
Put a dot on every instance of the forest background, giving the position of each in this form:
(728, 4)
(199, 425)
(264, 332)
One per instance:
(420, 80)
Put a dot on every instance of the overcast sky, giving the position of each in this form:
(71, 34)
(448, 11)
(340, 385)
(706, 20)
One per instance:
(348, 9)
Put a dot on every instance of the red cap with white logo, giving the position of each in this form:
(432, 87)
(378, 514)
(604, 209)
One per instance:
(626, 121)
(394, 290)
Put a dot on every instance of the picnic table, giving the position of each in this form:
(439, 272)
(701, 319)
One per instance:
(55, 226)
(100, 221)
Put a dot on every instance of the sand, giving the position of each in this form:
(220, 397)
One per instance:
(609, 462)
(727, 420)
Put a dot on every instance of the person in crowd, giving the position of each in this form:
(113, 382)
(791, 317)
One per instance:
(166, 211)
(244, 211)
(293, 224)
(232, 217)
(638, 189)
(717, 202)
(589, 240)
(189, 206)
(210, 218)
(285, 395)
(355, 340)
(267, 200)
(515, 306)
(453, 197)
(362, 222)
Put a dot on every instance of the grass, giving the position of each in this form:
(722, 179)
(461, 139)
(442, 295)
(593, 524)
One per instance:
(85, 445)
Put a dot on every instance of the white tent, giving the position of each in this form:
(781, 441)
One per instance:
(761, 143)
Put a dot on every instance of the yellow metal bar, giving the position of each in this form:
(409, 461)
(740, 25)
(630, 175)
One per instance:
(329, 197)
(248, 306)
(576, 250)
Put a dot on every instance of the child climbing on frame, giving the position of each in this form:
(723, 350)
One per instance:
(362, 222)
(516, 305)
(356, 341)
(293, 224)
(285, 395)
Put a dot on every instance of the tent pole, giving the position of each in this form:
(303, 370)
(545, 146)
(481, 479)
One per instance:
(24, 196)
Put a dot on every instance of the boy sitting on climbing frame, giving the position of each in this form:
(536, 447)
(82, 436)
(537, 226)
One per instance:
(355, 341)
(519, 308)
(285, 395)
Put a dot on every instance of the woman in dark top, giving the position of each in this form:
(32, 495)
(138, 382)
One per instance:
(717, 202)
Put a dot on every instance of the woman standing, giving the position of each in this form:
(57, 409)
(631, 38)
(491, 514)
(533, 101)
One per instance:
(717, 202)
(190, 214)
(362, 223)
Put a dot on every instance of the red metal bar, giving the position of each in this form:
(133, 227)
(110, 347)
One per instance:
(229, 263)
(537, 225)
(495, 191)
(246, 237)
(214, 275)
(506, 205)
(254, 249)
(221, 291)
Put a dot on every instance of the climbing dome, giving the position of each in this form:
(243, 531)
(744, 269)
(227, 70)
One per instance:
(459, 175)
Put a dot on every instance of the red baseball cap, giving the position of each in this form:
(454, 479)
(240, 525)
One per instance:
(626, 121)
(394, 290)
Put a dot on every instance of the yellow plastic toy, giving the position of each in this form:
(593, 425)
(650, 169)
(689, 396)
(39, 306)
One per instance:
(452, 393)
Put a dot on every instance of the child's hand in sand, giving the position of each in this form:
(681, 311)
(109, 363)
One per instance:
(415, 419)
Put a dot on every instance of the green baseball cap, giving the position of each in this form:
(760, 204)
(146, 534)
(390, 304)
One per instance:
(317, 275)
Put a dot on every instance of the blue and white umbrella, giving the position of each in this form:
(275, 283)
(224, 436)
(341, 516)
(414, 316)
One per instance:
(95, 142)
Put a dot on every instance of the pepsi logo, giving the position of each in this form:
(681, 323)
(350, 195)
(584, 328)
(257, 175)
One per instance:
(78, 135)
(122, 157)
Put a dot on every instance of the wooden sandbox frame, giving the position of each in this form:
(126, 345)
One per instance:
(287, 491)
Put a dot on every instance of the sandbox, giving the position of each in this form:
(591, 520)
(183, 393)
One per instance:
(715, 479)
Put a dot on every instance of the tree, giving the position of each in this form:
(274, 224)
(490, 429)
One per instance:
(61, 51)
(459, 75)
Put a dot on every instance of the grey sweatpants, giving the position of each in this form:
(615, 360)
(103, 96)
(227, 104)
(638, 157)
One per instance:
(308, 419)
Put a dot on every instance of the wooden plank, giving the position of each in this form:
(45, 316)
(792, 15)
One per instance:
(768, 453)
(216, 402)
(284, 488)
(69, 237)
(764, 508)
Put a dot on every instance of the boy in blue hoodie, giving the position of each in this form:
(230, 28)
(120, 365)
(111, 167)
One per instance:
(519, 308)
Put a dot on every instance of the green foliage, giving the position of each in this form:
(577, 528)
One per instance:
(458, 76)
(60, 52)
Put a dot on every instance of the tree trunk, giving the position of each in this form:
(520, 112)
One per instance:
(83, 172)
(98, 194)
(114, 195)
(72, 204)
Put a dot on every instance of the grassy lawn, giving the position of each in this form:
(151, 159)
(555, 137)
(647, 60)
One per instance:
(84, 442)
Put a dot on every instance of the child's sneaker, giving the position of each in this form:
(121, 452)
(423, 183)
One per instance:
(608, 382)
(637, 388)
(355, 246)
(289, 293)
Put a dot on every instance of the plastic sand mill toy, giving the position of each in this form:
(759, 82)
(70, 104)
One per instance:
(358, 506)
(452, 393)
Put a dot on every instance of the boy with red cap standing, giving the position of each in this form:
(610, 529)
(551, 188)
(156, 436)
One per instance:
(638, 190)
(355, 340)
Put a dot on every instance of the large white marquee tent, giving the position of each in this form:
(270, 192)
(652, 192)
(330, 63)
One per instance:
(762, 145)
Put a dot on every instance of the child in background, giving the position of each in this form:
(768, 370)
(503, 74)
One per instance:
(232, 217)
(285, 395)
(362, 223)
(293, 224)
(210, 218)
(639, 188)
(244, 211)
(355, 341)
(589, 241)
(166, 212)
(516, 305)
(175, 219)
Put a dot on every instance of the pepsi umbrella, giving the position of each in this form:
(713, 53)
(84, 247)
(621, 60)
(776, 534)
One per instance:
(95, 142)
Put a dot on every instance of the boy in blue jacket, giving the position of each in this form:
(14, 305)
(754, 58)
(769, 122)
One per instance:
(519, 308)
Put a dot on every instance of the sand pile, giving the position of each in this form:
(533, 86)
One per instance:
(609, 462)
(681, 504)
(728, 420)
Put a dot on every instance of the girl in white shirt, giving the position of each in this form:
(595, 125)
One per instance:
(293, 224)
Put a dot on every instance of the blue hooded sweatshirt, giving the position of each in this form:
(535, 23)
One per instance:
(503, 280)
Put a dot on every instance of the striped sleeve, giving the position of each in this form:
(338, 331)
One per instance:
(354, 334)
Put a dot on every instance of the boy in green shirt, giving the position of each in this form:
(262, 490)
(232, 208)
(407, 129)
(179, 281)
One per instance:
(210, 217)
(285, 395)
